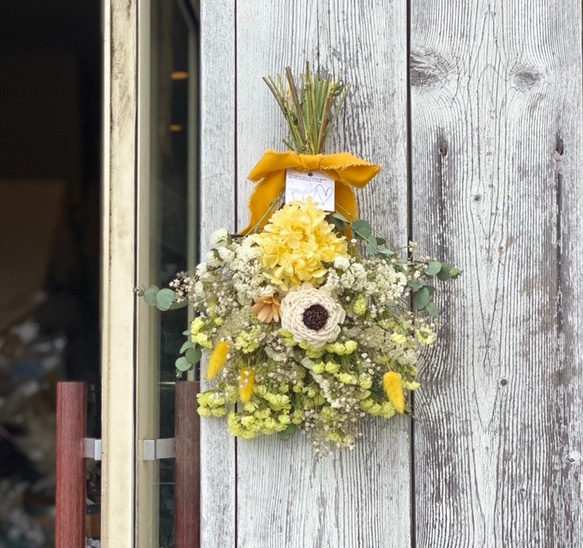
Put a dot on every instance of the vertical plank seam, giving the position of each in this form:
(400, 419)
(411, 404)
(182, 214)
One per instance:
(409, 124)
(136, 239)
(235, 121)
(236, 221)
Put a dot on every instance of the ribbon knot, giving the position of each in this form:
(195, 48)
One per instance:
(309, 162)
(347, 170)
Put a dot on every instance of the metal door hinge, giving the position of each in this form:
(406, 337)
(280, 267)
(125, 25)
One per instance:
(92, 448)
(164, 448)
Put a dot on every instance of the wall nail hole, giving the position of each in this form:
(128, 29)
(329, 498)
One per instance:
(503, 382)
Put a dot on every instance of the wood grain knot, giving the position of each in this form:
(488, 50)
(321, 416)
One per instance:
(560, 146)
(443, 147)
(526, 79)
(503, 382)
(426, 69)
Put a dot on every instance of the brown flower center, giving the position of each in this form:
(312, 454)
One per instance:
(315, 317)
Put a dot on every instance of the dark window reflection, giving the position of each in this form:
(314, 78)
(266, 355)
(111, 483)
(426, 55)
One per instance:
(173, 150)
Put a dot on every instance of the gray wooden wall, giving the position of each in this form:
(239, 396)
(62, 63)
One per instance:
(474, 110)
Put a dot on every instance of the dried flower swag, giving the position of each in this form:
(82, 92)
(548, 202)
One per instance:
(307, 317)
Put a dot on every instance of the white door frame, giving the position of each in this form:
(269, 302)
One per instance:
(129, 496)
(118, 318)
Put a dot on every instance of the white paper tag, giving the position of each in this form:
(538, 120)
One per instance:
(314, 184)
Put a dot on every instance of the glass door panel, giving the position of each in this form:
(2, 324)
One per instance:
(167, 234)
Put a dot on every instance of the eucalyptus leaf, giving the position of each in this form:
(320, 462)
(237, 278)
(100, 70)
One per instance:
(186, 346)
(339, 224)
(165, 298)
(288, 432)
(386, 252)
(380, 241)
(421, 298)
(415, 284)
(454, 273)
(362, 229)
(182, 364)
(150, 295)
(444, 273)
(432, 309)
(181, 304)
(371, 247)
(193, 355)
(339, 216)
(433, 268)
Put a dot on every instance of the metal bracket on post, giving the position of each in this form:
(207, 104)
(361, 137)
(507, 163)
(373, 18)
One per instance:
(92, 448)
(164, 448)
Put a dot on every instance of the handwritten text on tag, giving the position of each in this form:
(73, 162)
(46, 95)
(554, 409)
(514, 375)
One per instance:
(314, 184)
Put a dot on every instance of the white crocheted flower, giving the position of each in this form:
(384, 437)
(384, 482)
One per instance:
(311, 316)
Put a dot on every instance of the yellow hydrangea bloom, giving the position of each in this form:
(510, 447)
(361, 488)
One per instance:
(247, 341)
(426, 336)
(332, 367)
(197, 336)
(399, 338)
(360, 305)
(296, 243)
(342, 349)
(347, 378)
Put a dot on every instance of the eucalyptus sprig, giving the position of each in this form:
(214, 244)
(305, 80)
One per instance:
(310, 109)
(376, 245)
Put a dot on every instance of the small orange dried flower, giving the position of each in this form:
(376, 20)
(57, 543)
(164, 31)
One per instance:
(267, 309)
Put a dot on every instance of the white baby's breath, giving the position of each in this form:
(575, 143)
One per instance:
(219, 237)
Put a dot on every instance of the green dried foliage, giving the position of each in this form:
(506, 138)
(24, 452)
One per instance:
(310, 108)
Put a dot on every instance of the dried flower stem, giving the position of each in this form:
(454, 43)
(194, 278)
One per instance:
(311, 110)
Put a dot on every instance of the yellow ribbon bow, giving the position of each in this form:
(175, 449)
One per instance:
(347, 170)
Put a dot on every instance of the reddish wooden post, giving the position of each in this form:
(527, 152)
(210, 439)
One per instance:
(71, 481)
(187, 467)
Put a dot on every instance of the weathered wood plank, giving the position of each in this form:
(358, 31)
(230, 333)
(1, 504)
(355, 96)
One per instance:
(496, 155)
(217, 198)
(285, 496)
